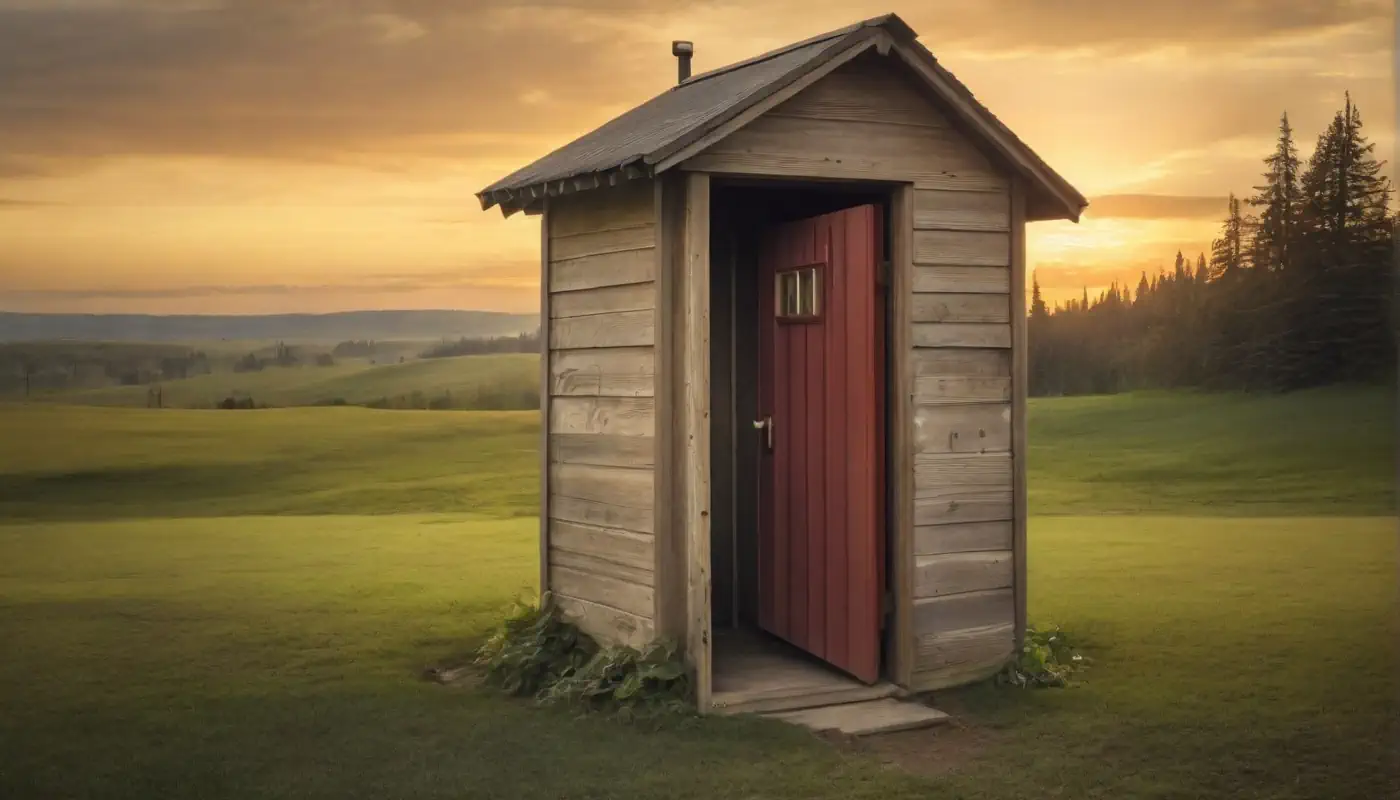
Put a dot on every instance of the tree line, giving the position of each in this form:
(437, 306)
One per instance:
(1295, 292)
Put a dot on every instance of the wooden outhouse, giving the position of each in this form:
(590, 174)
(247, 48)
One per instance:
(784, 389)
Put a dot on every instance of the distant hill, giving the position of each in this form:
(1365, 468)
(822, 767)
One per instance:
(379, 325)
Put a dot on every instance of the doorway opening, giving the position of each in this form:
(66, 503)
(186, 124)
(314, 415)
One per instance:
(800, 527)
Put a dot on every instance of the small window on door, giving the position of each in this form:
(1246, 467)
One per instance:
(799, 294)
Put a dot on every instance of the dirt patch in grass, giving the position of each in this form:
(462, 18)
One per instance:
(928, 752)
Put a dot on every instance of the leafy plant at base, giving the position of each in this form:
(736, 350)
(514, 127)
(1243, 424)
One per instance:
(633, 683)
(533, 649)
(1048, 658)
(537, 653)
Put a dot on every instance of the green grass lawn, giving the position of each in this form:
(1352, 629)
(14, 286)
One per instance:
(238, 604)
(354, 382)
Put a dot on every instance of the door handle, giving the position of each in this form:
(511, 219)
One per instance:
(765, 425)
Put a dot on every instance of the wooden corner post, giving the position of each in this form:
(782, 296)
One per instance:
(544, 398)
(1019, 376)
(900, 434)
(695, 419)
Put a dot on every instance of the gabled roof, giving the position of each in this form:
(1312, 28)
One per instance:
(646, 140)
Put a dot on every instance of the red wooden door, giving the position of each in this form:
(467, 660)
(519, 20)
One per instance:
(821, 526)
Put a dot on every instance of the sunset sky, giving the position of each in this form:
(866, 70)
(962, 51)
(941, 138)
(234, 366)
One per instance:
(252, 156)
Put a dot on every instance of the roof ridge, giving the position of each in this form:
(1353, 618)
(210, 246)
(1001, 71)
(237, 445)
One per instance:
(873, 22)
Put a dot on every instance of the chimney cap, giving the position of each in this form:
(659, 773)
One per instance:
(682, 48)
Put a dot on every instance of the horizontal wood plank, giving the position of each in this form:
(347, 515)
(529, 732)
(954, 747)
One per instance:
(940, 616)
(620, 329)
(940, 390)
(976, 428)
(608, 626)
(864, 91)
(968, 655)
(612, 416)
(627, 205)
(622, 595)
(945, 307)
(961, 211)
(961, 334)
(628, 488)
(623, 547)
(602, 450)
(962, 537)
(963, 279)
(601, 514)
(962, 362)
(593, 243)
(819, 167)
(949, 504)
(631, 297)
(962, 248)
(948, 182)
(956, 573)
(609, 269)
(604, 567)
(603, 372)
(935, 472)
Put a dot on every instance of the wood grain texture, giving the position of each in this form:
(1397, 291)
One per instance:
(962, 211)
(599, 242)
(962, 362)
(626, 488)
(962, 279)
(620, 329)
(962, 248)
(948, 182)
(622, 595)
(940, 616)
(955, 573)
(603, 372)
(941, 390)
(671, 575)
(1019, 381)
(948, 504)
(606, 625)
(631, 297)
(601, 514)
(610, 544)
(627, 205)
(965, 656)
(696, 474)
(963, 537)
(603, 567)
(602, 450)
(961, 334)
(864, 91)
(608, 269)
(935, 472)
(957, 308)
(900, 435)
(978, 428)
(612, 416)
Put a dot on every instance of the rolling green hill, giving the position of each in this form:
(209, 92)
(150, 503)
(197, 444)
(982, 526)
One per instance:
(507, 381)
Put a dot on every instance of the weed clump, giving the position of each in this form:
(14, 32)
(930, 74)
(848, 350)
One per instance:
(1048, 658)
(538, 653)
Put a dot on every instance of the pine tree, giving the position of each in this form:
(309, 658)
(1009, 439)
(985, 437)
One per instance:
(1227, 252)
(1278, 199)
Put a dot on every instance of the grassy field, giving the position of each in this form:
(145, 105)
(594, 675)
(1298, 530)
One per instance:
(223, 604)
(474, 381)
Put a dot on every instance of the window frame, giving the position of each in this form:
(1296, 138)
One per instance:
(817, 270)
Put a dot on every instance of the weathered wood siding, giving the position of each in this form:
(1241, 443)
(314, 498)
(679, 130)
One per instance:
(868, 121)
(601, 411)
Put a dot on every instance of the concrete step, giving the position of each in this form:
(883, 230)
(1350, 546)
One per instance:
(799, 697)
(885, 715)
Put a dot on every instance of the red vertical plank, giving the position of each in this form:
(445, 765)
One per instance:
(766, 489)
(815, 390)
